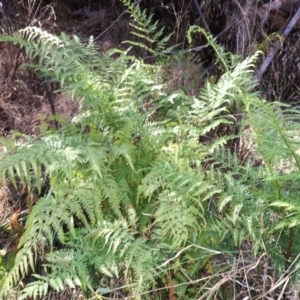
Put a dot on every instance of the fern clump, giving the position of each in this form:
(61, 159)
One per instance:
(143, 189)
(127, 176)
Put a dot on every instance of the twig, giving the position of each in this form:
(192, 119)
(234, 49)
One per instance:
(48, 96)
(174, 257)
(201, 15)
(275, 48)
(6, 19)
(182, 250)
(114, 22)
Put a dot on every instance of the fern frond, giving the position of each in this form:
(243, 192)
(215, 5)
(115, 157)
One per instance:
(221, 55)
(176, 220)
(150, 39)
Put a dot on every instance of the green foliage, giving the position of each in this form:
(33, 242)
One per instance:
(276, 131)
(145, 30)
(130, 154)
(225, 60)
(128, 169)
(6, 264)
(142, 183)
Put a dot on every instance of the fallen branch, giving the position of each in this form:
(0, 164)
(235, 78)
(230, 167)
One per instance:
(276, 46)
(201, 15)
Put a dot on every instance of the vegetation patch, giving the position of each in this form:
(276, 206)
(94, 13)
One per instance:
(144, 186)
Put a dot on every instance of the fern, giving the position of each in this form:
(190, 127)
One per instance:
(220, 53)
(129, 183)
(278, 145)
(89, 173)
(149, 38)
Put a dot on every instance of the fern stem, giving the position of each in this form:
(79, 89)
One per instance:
(290, 244)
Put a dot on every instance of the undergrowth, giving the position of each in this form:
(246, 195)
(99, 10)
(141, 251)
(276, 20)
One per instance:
(146, 198)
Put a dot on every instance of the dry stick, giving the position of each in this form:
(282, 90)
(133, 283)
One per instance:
(114, 22)
(201, 15)
(6, 19)
(49, 98)
(275, 48)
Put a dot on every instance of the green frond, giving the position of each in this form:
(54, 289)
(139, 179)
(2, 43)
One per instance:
(176, 220)
(149, 38)
(36, 289)
(221, 55)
